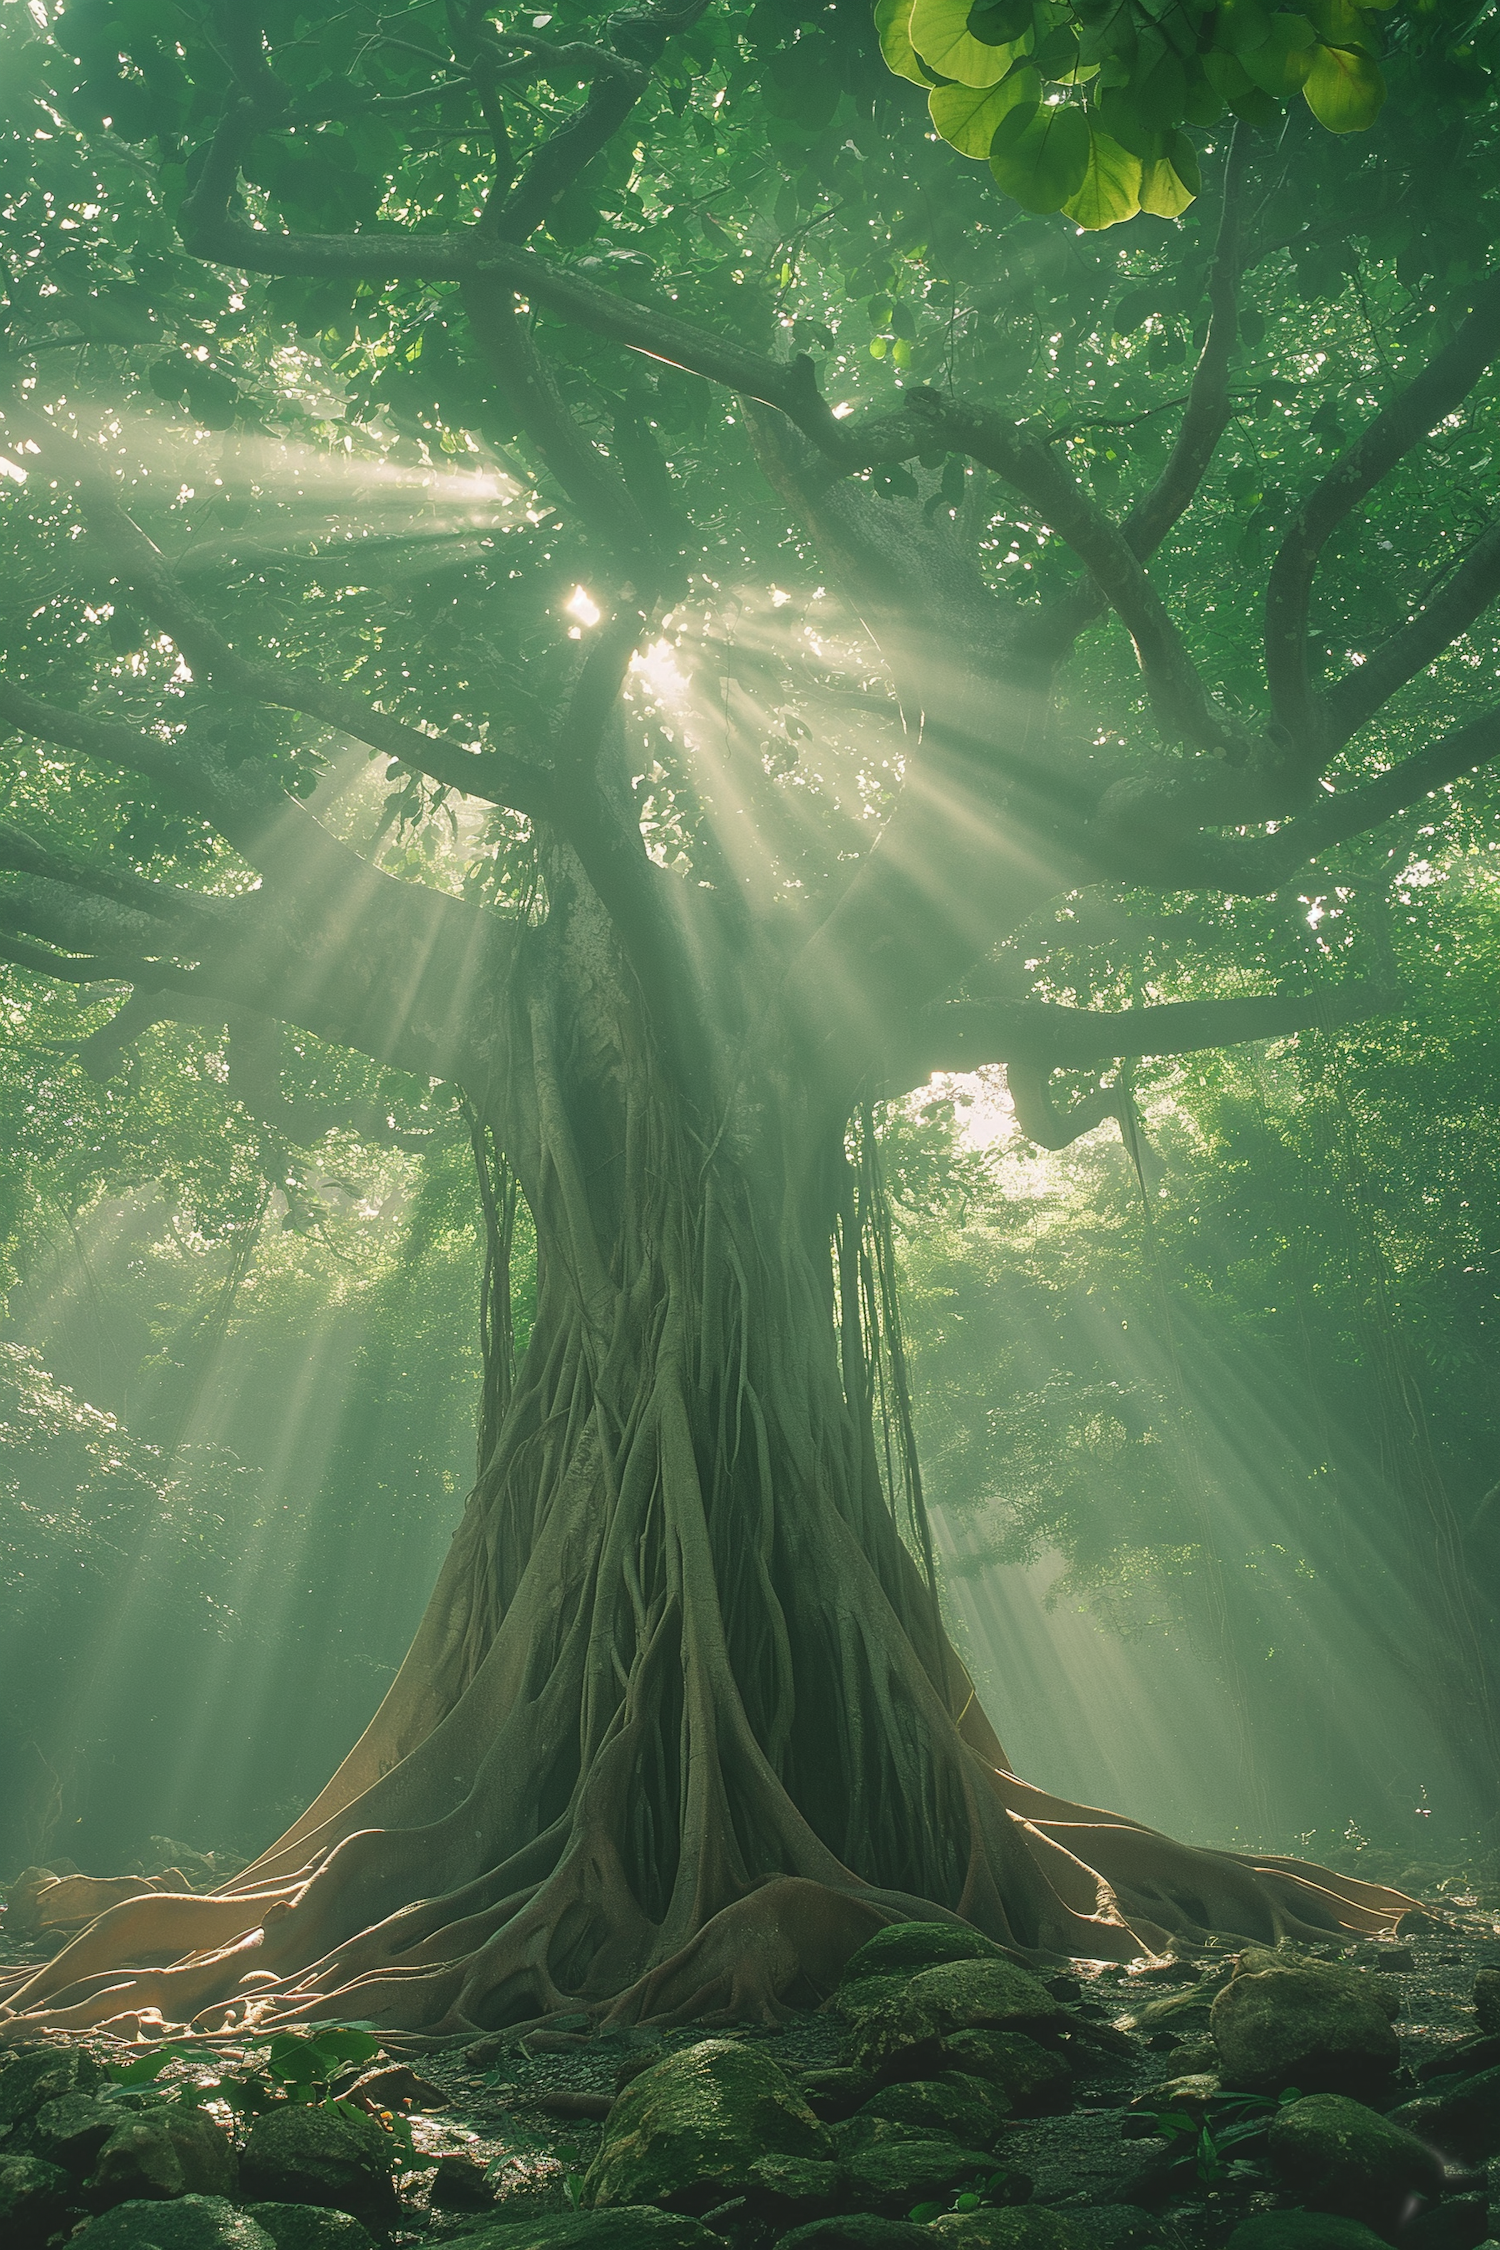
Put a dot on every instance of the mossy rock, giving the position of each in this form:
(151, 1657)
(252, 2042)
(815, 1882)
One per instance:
(793, 2188)
(1333, 2154)
(687, 2132)
(1462, 2118)
(1309, 2024)
(893, 2175)
(905, 1948)
(307, 2154)
(833, 2095)
(189, 2222)
(855, 2000)
(307, 2226)
(1035, 2080)
(857, 2230)
(1303, 2230)
(1010, 2230)
(991, 1995)
(953, 2105)
(45, 2076)
(641, 2227)
(33, 2194)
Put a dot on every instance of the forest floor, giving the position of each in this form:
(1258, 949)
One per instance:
(503, 2107)
(522, 2111)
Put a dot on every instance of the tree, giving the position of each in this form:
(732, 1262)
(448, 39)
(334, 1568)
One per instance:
(682, 1723)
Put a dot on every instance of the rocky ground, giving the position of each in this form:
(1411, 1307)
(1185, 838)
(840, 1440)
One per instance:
(935, 2100)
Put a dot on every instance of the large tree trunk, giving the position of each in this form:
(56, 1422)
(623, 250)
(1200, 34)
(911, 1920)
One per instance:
(681, 1725)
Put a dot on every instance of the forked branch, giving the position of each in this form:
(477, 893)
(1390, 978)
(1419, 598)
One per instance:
(1444, 383)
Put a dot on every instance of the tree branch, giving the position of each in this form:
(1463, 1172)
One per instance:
(1356, 698)
(133, 558)
(1442, 385)
(970, 1035)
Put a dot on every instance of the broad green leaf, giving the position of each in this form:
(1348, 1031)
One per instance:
(1227, 75)
(1161, 98)
(1111, 187)
(892, 22)
(939, 32)
(1281, 63)
(1040, 156)
(995, 23)
(1342, 23)
(1170, 181)
(1344, 89)
(966, 116)
(1241, 25)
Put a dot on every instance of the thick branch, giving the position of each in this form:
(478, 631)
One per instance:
(21, 854)
(1356, 698)
(969, 1035)
(237, 802)
(137, 562)
(1256, 867)
(1442, 385)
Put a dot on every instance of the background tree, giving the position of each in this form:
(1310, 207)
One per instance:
(682, 1722)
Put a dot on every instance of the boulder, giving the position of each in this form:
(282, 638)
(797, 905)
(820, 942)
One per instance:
(33, 2195)
(307, 2154)
(1309, 2024)
(460, 2183)
(1487, 2000)
(173, 2150)
(902, 1949)
(1333, 2154)
(793, 2188)
(193, 2222)
(962, 2108)
(1035, 2080)
(833, 2095)
(687, 2131)
(306, 2226)
(895, 2036)
(1185, 2014)
(627, 2227)
(72, 2129)
(858, 2230)
(44, 2075)
(1459, 2222)
(1303, 2230)
(1010, 2230)
(1461, 2117)
(892, 2175)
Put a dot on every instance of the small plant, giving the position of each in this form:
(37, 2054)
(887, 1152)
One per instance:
(295, 2069)
(1225, 2123)
(1001, 2187)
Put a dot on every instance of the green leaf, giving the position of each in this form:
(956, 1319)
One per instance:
(1111, 186)
(1344, 89)
(892, 23)
(967, 116)
(1040, 156)
(1281, 63)
(1161, 97)
(1240, 26)
(939, 32)
(995, 23)
(1169, 182)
